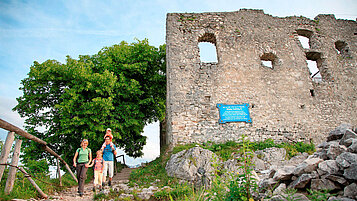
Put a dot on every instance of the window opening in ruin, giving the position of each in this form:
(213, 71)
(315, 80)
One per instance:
(268, 60)
(304, 41)
(314, 71)
(312, 92)
(314, 63)
(342, 48)
(304, 37)
(207, 52)
(207, 48)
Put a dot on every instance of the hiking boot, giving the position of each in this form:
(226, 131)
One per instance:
(81, 194)
(109, 183)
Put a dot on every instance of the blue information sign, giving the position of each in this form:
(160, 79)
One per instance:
(234, 113)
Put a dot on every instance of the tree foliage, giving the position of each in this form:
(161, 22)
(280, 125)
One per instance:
(122, 87)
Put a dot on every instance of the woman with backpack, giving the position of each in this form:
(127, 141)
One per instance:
(84, 155)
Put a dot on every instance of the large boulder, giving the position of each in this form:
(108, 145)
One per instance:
(192, 165)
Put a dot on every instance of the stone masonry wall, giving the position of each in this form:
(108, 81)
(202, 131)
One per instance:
(285, 103)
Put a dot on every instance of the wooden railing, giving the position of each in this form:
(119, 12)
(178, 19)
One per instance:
(13, 167)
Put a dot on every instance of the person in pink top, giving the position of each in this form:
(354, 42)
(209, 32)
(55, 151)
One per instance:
(98, 170)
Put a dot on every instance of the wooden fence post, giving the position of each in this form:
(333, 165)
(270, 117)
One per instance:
(59, 173)
(33, 183)
(6, 151)
(12, 172)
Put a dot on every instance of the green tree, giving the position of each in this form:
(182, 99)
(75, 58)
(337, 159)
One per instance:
(122, 87)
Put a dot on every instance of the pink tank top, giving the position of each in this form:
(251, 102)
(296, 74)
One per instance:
(98, 165)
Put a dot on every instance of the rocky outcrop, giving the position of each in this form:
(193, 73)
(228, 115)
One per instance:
(194, 165)
(333, 167)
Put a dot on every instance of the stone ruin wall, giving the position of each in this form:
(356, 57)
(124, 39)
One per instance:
(285, 103)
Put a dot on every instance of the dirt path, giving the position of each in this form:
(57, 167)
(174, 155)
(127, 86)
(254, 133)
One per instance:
(71, 194)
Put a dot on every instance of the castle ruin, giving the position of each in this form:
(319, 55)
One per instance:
(285, 102)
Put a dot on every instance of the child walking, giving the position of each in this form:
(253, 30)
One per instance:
(98, 170)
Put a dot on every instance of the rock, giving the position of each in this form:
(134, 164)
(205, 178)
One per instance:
(336, 179)
(353, 147)
(346, 159)
(280, 189)
(350, 191)
(301, 181)
(351, 172)
(328, 167)
(276, 198)
(284, 197)
(340, 199)
(338, 132)
(334, 150)
(273, 155)
(284, 173)
(259, 164)
(297, 159)
(185, 164)
(349, 134)
(323, 184)
(307, 166)
(266, 184)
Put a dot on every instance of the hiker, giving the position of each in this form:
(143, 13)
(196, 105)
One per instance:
(108, 156)
(84, 155)
(108, 132)
(98, 163)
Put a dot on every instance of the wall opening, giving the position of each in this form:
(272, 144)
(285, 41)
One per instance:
(304, 37)
(342, 48)
(268, 60)
(207, 52)
(207, 48)
(315, 65)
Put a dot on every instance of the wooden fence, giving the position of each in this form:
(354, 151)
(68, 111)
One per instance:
(15, 159)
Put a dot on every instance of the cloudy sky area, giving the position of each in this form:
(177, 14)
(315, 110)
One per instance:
(39, 30)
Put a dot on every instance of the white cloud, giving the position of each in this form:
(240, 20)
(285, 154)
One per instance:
(8, 115)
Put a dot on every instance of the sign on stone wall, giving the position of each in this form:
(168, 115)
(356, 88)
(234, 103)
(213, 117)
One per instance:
(234, 113)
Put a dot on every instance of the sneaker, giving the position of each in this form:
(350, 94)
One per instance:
(109, 183)
(103, 184)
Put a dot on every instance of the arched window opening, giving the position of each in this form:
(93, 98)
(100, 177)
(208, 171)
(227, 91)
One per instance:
(207, 48)
(268, 60)
(304, 37)
(342, 48)
(207, 52)
(314, 63)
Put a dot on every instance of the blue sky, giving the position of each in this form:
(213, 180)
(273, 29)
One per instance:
(39, 30)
